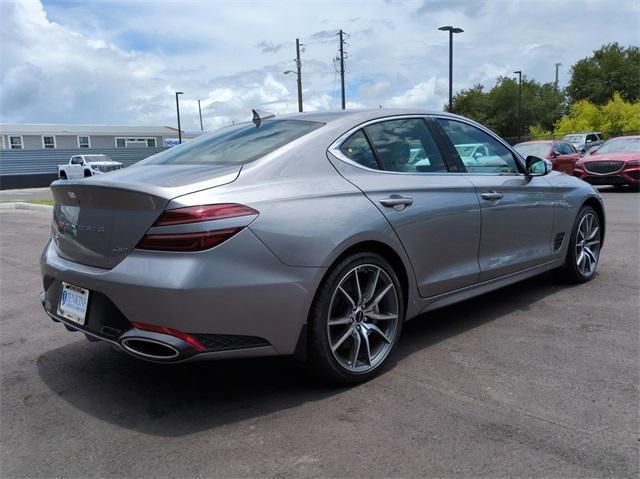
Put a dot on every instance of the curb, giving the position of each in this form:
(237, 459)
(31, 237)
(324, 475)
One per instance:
(18, 205)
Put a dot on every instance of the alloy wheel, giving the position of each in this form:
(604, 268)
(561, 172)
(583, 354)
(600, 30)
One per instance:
(363, 318)
(588, 244)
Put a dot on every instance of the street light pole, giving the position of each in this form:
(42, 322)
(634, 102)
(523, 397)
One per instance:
(557, 65)
(178, 112)
(299, 65)
(200, 114)
(519, 72)
(451, 31)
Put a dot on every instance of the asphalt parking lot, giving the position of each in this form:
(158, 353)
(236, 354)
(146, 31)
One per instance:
(536, 380)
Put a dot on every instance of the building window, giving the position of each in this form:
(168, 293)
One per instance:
(15, 142)
(135, 142)
(48, 142)
(83, 142)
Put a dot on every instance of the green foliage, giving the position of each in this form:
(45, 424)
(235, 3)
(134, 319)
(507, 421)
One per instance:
(614, 118)
(610, 69)
(536, 132)
(542, 105)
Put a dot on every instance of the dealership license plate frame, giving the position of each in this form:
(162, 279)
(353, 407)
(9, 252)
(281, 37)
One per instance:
(73, 310)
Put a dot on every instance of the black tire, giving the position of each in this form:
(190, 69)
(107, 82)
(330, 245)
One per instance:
(321, 359)
(87, 174)
(571, 271)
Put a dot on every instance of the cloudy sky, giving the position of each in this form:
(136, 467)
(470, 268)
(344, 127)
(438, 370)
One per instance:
(119, 62)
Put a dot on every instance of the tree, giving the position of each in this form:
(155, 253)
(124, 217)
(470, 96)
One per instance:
(613, 119)
(610, 69)
(542, 105)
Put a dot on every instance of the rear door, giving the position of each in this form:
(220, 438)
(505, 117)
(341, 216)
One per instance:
(398, 165)
(517, 210)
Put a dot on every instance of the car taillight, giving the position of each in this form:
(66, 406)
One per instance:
(195, 240)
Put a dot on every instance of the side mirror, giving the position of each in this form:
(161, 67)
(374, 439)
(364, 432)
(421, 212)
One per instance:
(555, 153)
(537, 166)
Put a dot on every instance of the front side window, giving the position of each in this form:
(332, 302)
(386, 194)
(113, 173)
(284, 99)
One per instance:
(479, 151)
(357, 149)
(405, 146)
(83, 142)
(48, 142)
(563, 149)
(15, 142)
(540, 150)
(235, 145)
(76, 160)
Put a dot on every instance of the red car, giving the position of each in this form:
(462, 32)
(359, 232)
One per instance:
(562, 154)
(616, 162)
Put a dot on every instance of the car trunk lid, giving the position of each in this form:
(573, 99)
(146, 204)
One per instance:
(98, 222)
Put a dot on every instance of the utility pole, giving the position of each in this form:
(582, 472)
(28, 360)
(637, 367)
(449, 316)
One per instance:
(519, 72)
(342, 68)
(299, 65)
(557, 65)
(451, 31)
(200, 113)
(178, 112)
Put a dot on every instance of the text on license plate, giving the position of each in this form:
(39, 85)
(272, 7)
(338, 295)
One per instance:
(73, 303)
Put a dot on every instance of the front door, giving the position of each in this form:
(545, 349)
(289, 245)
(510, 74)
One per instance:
(435, 214)
(517, 210)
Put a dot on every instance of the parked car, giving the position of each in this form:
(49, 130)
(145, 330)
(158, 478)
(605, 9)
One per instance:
(615, 162)
(84, 166)
(314, 235)
(562, 154)
(583, 142)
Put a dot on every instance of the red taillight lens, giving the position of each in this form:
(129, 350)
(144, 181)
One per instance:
(187, 241)
(195, 214)
(198, 240)
(171, 332)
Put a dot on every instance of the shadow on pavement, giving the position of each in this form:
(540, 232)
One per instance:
(183, 399)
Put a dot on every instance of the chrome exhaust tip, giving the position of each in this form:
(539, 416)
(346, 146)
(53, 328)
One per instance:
(150, 348)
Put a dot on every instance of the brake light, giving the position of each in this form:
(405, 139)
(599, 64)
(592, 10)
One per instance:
(195, 240)
(195, 214)
(171, 332)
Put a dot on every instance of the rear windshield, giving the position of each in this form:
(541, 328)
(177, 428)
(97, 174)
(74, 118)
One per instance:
(235, 145)
(534, 149)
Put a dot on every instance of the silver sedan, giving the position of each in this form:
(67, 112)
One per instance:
(315, 235)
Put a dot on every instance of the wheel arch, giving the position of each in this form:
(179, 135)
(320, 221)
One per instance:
(597, 206)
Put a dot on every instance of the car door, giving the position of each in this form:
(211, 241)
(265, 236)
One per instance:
(517, 210)
(566, 157)
(398, 165)
(75, 167)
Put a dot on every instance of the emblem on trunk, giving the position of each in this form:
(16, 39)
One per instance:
(71, 195)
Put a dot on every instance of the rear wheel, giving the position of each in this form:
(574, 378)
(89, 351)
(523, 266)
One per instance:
(584, 247)
(356, 319)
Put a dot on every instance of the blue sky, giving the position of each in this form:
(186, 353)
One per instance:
(114, 62)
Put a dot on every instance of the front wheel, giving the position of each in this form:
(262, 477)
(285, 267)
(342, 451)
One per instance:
(356, 319)
(584, 247)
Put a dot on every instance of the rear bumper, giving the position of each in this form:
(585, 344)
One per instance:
(237, 299)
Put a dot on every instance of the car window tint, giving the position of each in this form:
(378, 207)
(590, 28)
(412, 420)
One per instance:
(405, 146)
(564, 149)
(357, 149)
(479, 151)
(235, 145)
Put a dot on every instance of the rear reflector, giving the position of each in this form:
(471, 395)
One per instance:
(171, 332)
(195, 214)
(187, 241)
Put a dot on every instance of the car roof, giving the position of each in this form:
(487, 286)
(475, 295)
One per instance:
(359, 114)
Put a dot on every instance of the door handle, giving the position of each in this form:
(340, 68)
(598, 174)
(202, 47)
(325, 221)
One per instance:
(397, 202)
(492, 195)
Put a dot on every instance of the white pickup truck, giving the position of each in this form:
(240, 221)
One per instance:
(83, 166)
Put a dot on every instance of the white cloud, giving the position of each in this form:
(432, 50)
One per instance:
(121, 62)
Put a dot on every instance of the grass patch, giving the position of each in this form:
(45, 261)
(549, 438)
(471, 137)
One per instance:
(33, 202)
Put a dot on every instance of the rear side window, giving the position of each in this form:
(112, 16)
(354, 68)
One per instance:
(235, 145)
(405, 146)
(357, 149)
(479, 151)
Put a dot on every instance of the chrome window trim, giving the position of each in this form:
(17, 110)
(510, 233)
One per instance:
(334, 149)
